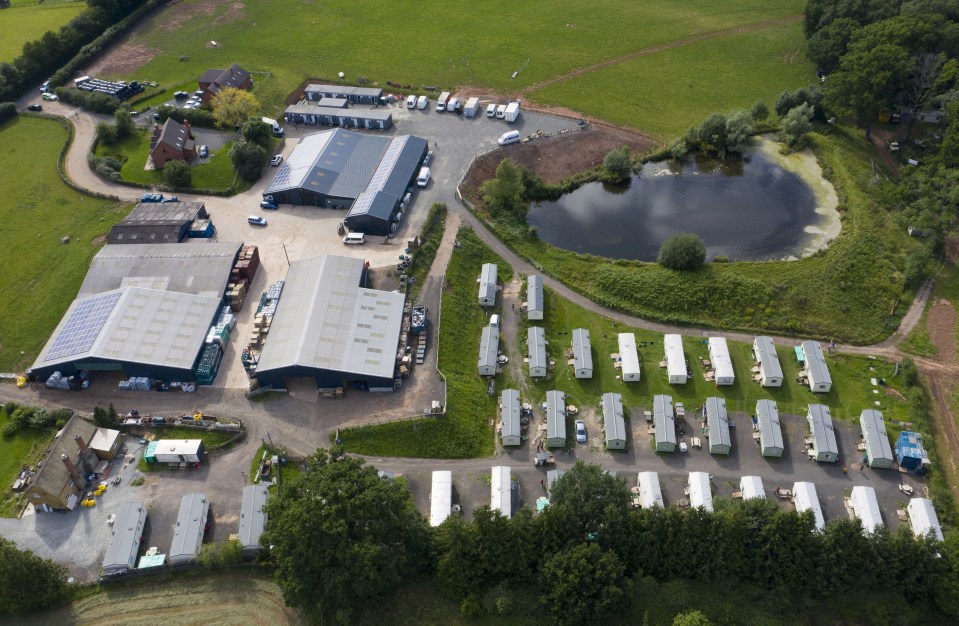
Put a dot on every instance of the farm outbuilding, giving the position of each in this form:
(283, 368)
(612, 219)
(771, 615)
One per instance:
(61, 476)
(582, 354)
(125, 537)
(717, 426)
(664, 423)
(752, 488)
(535, 307)
(770, 370)
(878, 449)
(806, 499)
(489, 351)
(865, 507)
(174, 451)
(159, 222)
(700, 491)
(189, 529)
(252, 516)
(770, 430)
(501, 490)
(551, 477)
(511, 432)
(329, 112)
(817, 372)
(555, 419)
(614, 421)
(650, 493)
(675, 359)
(910, 453)
(487, 285)
(441, 497)
(536, 346)
(628, 358)
(315, 92)
(822, 434)
(720, 361)
(923, 518)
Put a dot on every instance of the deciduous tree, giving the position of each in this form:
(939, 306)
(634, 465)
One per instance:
(582, 584)
(796, 124)
(248, 159)
(177, 173)
(255, 131)
(232, 107)
(683, 251)
(617, 165)
(28, 582)
(503, 195)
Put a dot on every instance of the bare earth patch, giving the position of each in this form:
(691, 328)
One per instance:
(187, 13)
(941, 323)
(123, 59)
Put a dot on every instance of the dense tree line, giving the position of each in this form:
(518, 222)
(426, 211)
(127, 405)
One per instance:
(28, 582)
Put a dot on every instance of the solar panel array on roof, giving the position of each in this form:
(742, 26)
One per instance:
(83, 326)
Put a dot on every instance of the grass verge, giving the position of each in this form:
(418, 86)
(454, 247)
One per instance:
(430, 239)
(24, 448)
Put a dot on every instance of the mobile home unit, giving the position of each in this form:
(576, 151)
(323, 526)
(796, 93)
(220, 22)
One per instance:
(923, 518)
(752, 488)
(555, 419)
(536, 345)
(487, 285)
(822, 434)
(441, 497)
(501, 490)
(700, 491)
(878, 448)
(721, 361)
(865, 507)
(665, 423)
(614, 422)
(511, 431)
(816, 369)
(534, 298)
(551, 477)
(770, 371)
(675, 359)
(770, 430)
(189, 529)
(582, 354)
(252, 516)
(650, 493)
(806, 499)
(489, 351)
(717, 426)
(628, 358)
(125, 537)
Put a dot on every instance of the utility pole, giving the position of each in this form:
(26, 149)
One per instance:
(287, 255)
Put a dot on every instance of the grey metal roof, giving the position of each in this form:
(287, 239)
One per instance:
(377, 204)
(340, 90)
(552, 476)
(874, 432)
(190, 526)
(614, 423)
(336, 103)
(131, 324)
(534, 293)
(173, 134)
(510, 413)
(717, 422)
(536, 344)
(252, 516)
(664, 419)
(765, 352)
(125, 538)
(582, 352)
(816, 363)
(489, 347)
(164, 213)
(821, 428)
(321, 109)
(325, 320)
(555, 415)
(391, 178)
(201, 269)
(770, 430)
(487, 281)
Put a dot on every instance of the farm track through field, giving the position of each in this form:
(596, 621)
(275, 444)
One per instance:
(947, 424)
(734, 30)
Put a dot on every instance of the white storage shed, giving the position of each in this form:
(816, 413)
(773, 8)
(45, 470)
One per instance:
(720, 360)
(555, 419)
(822, 434)
(923, 518)
(441, 497)
(511, 431)
(752, 488)
(189, 529)
(770, 431)
(650, 493)
(582, 354)
(614, 422)
(535, 307)
(675, 359)
(125, 536)
(806, 499)
(487, 285)
(717, 426)
(536, 345)
(501, 490)
(770, 370)
(865, 507)
(665, 423)
(700, 491)
(252, 516)
(628, 358)
(878, 448)
(471, 107)
(489, 351)
(817, 371)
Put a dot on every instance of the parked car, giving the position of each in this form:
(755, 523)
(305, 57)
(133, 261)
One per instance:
(49, 96)
(170, 199)
(204, 151)
(580, 431)
(152, 197)
(428, 158)
(276, 160)
(266, 204)
(256, 220)
(491, 110)
(45, 87)
(35, 107)
(180, 95)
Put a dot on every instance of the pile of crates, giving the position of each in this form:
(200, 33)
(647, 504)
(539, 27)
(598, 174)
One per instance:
(421, 348)
(66, 383)
(136, 383)
(208, 365)
(242, 275)
(261, 326)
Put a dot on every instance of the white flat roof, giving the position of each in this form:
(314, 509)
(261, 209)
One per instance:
(752, 488)
(770, 430)
(675, 355)
(252, 516)
(501, 490)
(922, 516)
(614, 422)
(765, 352)
(178, 446)
(510, 413)
(441, 497)
(629, 357)
(717, 422)
(719, 357)
(866, 508)
(555, 414)
(806, 499)
(821, 428)
(700, 494)
(816, 363)
(664, 419)
(875, 435)
(650, 493)
(534, 293)
(536, 345)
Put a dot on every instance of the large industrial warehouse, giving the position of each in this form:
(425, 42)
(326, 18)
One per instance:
(331, 328)
(340, 169)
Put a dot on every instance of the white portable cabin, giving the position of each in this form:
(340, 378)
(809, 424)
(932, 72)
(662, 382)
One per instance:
(501, 490)
(189, 529)
(614, 422)
(510, 424)
(816, 369)
(752, 488)
(721, 361)
(536, 345)
(628, 358)
(582, 354)
(178, 450)
(487, 285)
(555, 419)
(923, 518)
(865, 506)
(441, 497)
(665, 423)
(512, 112)
(125, 536)
(717, 426)
(878, 448)
(489, 351)
(770, 430)
(534, 298)
(471, 108)
(551, 477)
(650, 494)
(806, 499)
(252, 516)
(700, 492)
(770, 371)
(675, 359)
(822, 433)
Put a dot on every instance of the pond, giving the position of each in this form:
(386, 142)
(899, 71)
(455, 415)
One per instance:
(744, 209)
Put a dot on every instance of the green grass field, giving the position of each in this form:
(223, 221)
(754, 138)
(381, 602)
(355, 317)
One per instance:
(26, 447)
(22, 23)
(40, 275)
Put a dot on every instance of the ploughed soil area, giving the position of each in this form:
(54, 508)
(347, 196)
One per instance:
(941, 324)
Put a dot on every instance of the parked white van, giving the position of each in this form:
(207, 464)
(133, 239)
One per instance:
(501, 111)
(491, 110)
(452, 105)
(354, 239)
(422, 102)
(508, 138)
(423, 179)
(411, 102)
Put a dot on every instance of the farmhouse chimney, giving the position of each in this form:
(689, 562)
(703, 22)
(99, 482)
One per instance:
(72, 469)
(80, 443)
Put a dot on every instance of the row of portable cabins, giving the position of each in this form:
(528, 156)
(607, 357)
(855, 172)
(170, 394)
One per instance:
(503, 490)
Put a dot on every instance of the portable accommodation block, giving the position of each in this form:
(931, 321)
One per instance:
(536, 345)
(614, 421)
(628, 358)
(878, 449)
(487, 285)
(770, 371)
(555, 419)
(441, 497)
(489, 351)
(822, 434)
(720, 360)
(817, 371)
(551, 477)
(252, 516)
(910, 453)
(865, 507)
(752, 488)
(501, 490)
(510, 424)
(176, 451)
(700, 491)
(582, 354)
(650, 493)
(675, 360)
(189, 529)
(125, 537)
(717, 426)
(770, 431)
(923, 518)
(806, 499)
(471, 108)
(534, 298)
(665, 423)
